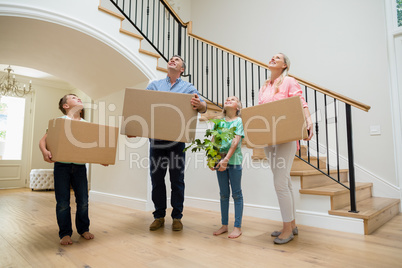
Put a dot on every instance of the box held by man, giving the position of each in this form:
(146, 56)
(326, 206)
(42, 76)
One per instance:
(158, 115)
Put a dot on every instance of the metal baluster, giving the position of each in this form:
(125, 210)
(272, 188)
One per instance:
(239, 79)
(142, 14)
(212, 74)
(223, 80)
(228, 80)
(217, 77)
(206, 69)
(136, 11)
(245, 81)
(168, 35)
(308, 142)
(153, 21)
(352, 186)
(252, 86)
(337, 140)
(202, 66)
(129, 10)
(173, 39)
(147, 17)
(163, 38)
(159, 23)
(316, 129)
(326, 131)
(234, 76)
(198, 62)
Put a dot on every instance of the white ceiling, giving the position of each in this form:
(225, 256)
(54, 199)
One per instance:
(50, 51)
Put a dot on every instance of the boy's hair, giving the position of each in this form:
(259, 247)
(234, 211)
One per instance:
(239, 105)
(64, 101)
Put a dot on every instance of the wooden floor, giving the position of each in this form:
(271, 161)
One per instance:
(28, 238)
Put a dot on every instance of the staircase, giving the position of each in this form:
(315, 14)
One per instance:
(374, 211)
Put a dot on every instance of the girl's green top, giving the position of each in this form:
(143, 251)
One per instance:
(237, 157)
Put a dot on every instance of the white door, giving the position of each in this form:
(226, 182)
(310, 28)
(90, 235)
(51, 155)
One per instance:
(15, 136)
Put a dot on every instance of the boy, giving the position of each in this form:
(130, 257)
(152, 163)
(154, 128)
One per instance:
(66, 174)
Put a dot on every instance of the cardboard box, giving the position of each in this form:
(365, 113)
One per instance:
(274, 123)
(159, 115)
(81, 142)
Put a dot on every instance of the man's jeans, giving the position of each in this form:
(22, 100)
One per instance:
(166, 155)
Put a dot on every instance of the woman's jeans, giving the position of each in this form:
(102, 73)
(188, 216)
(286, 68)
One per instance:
(231, 176)
(76, 176)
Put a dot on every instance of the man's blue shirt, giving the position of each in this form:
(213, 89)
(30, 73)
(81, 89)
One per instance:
(180, 86)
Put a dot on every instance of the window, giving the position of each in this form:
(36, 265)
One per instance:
(399, 12)
(12, 111)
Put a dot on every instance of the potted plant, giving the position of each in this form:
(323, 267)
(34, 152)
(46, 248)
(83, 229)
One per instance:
(212, 147)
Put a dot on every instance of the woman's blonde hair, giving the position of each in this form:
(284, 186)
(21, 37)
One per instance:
(283, 74)
(239, 105)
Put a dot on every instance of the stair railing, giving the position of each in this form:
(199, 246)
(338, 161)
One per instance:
(218, 72)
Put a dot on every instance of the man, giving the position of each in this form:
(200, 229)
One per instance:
(169, 155)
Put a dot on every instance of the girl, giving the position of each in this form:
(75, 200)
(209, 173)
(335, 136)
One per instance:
(278, 87)
(229, 169)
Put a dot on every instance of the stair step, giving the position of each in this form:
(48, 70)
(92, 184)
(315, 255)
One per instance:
(161, 69)
(131, 34)
(375, 211)
(335, 189)
(299, 164)
(149, 53)
(313, 171)
(114, 14)
(309, 180)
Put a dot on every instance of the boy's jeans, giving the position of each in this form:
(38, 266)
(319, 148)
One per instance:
(232, 176)
(76, 176)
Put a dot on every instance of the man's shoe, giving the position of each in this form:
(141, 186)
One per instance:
(156, 224)
(177, 225)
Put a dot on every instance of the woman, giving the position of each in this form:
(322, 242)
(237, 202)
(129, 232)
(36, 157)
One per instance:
(278, 87)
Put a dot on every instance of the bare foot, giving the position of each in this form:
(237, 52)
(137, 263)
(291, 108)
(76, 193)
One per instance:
(222, 230)
(66, 240)
(88, 235)
(235, 233)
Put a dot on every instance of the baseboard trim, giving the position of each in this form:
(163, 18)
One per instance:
(118, 200)
(308, 218)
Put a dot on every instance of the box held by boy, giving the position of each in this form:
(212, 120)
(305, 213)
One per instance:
(81, 142)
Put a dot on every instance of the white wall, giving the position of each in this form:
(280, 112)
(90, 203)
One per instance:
(126, 182)
(340, 45)
(46, 107)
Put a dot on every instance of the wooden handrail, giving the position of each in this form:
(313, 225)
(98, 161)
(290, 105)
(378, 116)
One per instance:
(168, 6)
(333, 94)
(189, 26)
(321, 89)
